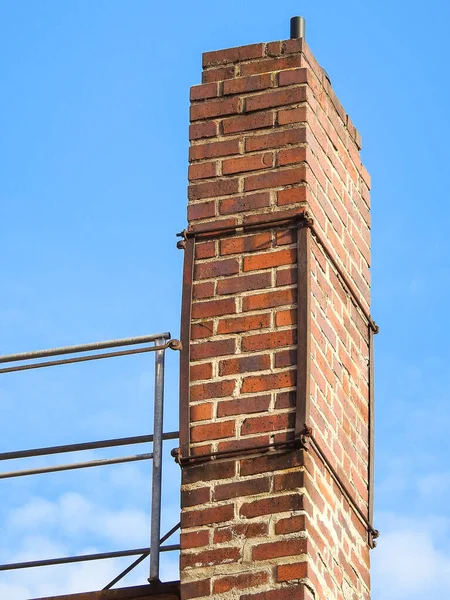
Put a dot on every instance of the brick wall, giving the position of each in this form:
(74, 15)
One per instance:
(276, 428)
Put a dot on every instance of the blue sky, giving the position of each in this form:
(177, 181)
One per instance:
(93, 164)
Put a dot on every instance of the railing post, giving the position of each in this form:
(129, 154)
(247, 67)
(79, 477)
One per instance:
(155, 533)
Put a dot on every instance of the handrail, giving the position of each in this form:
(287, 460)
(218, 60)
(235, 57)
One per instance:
(142, 339)
(162, 342)
(113, 443)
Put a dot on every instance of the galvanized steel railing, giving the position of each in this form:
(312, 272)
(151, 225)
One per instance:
(161, 342)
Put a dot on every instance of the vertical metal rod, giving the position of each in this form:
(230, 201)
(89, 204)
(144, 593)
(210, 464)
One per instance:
(155, 533)
(298, 27)
(302, 416)
(371, 469)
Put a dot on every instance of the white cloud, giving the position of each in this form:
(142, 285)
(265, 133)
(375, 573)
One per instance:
(410, 562)
(77, 518)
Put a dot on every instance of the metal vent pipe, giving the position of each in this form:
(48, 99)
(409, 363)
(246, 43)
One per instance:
(298, 28)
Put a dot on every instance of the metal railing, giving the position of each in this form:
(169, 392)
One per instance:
(158, 344)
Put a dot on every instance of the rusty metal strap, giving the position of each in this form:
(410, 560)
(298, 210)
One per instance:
(269, 220)
(202, 458)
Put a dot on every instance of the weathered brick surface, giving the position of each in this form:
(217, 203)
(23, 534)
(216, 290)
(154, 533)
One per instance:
(268, 135)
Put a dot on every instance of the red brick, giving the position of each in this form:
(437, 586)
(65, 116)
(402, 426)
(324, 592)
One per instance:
(266, 341)
(292, 571)
(214, 149)
(197, 131)
(216, 308)
(201, 210)
(275, 98)
(292, 195)
(252, 83)
(201, 171)
(292, 115)
(274, 64)
(218, 222)
(240, 324)
(244, 364)
(286, 400)
(243, 283)
(201, 412)
(267, 260)
(299, 592)
(194, 539)
(293, 76)
(285, 358)
(213, 431)
(248, 443)
(273, 179)
(291, 156)
(208, 471)
(286, 276)
(207, 516)
(218, 74)
(199, 372)
(213, 188)
(239, 582)
(291, 525)
(270, 506)
(286, 317)
(212, 349)
(244, 164)
(214, 108)
(244, 203)
(269, 422)
(195, 496)
(196, 589)
(216, 268)
(217, 556)
(217, 389)
(247, 122)
(269, 299)
(205, 250)
(279, 549)
(289, 481)
(230, 55)
(203, 290)
(243, 406)
(262, 383)
(247, 243)
(276, 139)
(276, 462)
(274, 49)
(246, 530)
(250, 487)
(220, 57)
(201, 330)
(202, 92)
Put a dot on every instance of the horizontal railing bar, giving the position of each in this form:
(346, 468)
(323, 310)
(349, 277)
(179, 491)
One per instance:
(127, 441)
(142, 339)
(83, 465)
(82, 558)
(77, 359)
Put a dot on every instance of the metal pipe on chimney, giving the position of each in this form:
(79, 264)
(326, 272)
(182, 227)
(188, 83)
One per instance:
(298, 28)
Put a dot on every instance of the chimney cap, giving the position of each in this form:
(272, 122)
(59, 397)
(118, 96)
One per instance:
(298, 28)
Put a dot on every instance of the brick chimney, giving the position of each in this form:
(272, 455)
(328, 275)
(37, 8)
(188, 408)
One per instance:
(276, 417)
